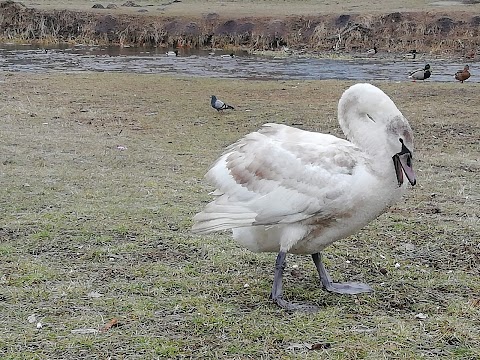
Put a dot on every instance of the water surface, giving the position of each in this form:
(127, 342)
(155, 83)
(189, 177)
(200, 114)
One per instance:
(200, 63)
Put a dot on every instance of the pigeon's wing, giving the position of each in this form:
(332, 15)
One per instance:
(219, 104)
(280, 175)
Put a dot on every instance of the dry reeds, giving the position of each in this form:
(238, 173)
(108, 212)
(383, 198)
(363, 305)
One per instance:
(396, 32)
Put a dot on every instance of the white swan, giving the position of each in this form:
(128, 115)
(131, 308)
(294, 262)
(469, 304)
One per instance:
(172, 53)
(286, 190)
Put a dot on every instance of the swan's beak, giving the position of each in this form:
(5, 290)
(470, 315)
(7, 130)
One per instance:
(403, 164)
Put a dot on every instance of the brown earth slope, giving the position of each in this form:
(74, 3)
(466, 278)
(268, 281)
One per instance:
(437, 32)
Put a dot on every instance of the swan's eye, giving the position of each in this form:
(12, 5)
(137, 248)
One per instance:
(371, 118)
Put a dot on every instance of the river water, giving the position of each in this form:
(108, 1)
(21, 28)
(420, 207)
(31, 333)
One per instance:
(200, 63)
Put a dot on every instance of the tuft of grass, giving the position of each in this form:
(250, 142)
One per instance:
(91, 232)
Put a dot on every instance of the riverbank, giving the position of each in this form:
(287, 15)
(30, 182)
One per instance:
(437, 30)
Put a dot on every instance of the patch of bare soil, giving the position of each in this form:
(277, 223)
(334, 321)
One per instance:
(433, 32)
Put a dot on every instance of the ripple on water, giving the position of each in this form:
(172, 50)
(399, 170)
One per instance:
(200, 63)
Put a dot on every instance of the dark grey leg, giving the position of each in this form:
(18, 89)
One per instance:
(341, 288)
(277, 279)
(277, 293)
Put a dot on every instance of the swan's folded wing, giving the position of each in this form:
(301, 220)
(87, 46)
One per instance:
(279, 175)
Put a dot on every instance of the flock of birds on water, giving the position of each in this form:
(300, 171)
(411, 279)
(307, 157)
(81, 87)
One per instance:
(418, 74)
(174, 53)
(425, 72)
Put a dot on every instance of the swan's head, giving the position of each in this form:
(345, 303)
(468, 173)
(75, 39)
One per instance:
(370, 120)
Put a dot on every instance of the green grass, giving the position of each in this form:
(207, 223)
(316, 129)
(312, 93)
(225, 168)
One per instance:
(81, 216)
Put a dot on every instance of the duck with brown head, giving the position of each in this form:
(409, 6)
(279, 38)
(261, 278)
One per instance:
(462, 75)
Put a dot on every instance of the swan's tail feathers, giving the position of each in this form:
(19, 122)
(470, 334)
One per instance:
(218, 220)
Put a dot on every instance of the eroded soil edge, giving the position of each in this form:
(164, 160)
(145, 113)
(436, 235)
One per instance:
(454, 33)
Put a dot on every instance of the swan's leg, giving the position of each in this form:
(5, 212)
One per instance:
(341, 288)
(277, 293)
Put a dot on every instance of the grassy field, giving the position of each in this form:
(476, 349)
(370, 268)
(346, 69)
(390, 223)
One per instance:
(268, 8)
(100, 175)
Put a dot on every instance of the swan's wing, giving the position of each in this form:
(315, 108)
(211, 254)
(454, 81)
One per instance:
(280, 175)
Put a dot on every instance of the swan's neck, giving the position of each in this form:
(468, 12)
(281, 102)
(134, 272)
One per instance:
(366, 134)
(372, 138)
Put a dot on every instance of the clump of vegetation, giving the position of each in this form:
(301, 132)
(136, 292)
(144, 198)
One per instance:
(394, 32)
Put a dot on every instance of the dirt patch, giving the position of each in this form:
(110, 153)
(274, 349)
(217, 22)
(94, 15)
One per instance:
(435, 33)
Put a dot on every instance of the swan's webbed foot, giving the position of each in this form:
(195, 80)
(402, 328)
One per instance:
(291, 306)
(351, 288)
(340, 288)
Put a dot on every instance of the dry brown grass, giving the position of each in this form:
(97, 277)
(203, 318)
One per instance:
(265, 26)
(80, 217)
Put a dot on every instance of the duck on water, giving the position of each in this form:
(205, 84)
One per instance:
(172, 53)
(421, 74)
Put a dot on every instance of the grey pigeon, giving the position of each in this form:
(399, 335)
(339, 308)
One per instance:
(219, 104)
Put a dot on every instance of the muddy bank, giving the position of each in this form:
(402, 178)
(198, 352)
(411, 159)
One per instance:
(455, 33)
